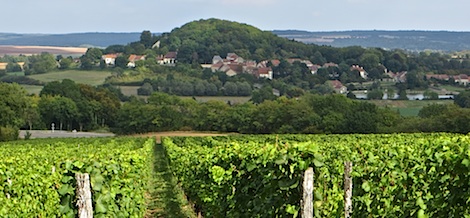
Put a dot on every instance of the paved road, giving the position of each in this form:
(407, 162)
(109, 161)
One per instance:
(62, 134)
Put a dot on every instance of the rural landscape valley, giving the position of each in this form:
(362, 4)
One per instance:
(219, 118)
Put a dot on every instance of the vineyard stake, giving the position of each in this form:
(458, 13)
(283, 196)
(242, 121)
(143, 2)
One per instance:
(307, 201)
(85, 208)
(347, 189)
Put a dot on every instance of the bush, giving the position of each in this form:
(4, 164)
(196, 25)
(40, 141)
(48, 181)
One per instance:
(8, 134)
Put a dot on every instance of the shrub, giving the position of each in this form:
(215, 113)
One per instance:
(8, 134)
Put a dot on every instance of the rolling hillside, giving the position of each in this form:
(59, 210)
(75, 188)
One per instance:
(408, 40)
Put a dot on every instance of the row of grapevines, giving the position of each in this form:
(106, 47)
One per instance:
(37, 177)
(399, 175)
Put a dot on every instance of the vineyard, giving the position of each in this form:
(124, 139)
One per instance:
(37, 176)
(399, 175)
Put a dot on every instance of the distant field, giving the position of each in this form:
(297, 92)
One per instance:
(16, 74)
(129, 90)
(30, 50)
(93, 78)
(31, 89)
(410, 107)
(132, 91)
(449, 88)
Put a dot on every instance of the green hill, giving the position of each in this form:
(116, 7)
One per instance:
(199, 41)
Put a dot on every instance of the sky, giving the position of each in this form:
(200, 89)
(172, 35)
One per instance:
(72, 16)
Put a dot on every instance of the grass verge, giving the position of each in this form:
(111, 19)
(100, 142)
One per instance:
(408, 107)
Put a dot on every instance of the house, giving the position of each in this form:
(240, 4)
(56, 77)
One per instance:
(217, 66)
(206, 66)
(314, 68)
(338, 87)
(157, 44)
(3, 65)
(234, 58)
(167, 59)
(262, 64)
(216, 59)
(109, 59)
(359, 69)
(329, 64)
(231, 69)
(264, 72)
(292, 60)
(275, 62)
(461, 79)
(250, 69)
(399, 77)
(444, 77)
(133, 58)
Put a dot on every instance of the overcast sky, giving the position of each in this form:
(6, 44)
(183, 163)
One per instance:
(72, 16)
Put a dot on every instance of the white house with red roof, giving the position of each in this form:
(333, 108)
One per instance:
(461, 79)
(338, 87)
(264, 72)
(110, 59)
(133, 58)
(168, 59)
(361, 71)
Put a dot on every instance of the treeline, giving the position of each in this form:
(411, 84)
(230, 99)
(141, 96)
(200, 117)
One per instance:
(195, 88)
(307, 114)
(66, 104)
(82, 107)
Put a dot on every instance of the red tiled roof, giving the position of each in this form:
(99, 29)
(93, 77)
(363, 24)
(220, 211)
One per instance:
(171, 54)
(264, 70)
(134, 57)
(357, 67)
(236, 67)
(275, 62)
(326, 65)
(336, 84)
(110, 55)
(292, 60)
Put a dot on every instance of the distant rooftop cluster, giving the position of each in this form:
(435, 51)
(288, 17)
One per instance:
(168, 59)
(233, 65)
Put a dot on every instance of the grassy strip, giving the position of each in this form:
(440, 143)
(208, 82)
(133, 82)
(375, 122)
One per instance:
(166, 198)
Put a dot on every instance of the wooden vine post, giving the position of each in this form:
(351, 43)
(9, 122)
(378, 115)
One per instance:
(347, 189)
(85, 208)
(307, 201)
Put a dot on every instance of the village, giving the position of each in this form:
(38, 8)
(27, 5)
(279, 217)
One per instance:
(233, 65)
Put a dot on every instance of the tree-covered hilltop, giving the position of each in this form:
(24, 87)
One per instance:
(199, 41)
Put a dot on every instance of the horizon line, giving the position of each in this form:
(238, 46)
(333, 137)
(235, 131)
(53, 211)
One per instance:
(300, 30)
